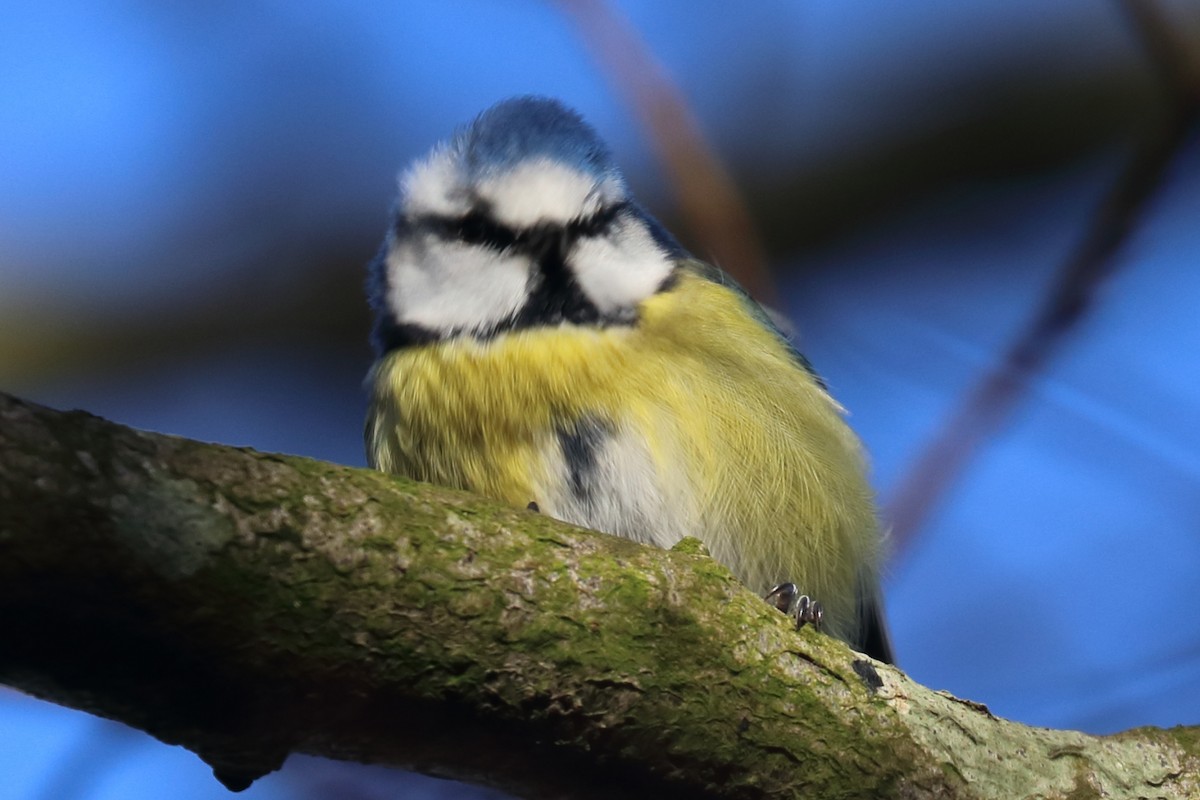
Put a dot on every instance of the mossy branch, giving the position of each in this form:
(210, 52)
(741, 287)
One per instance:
(247, 605)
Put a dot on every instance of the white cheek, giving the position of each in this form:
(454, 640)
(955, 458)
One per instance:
(445, 286)
(543, 191)
(621, 268)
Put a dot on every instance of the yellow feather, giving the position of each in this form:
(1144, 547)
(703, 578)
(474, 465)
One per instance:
(749, 446)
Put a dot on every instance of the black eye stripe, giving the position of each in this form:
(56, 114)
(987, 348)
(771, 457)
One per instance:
(598, 223)
(475, 228)
(478, 228)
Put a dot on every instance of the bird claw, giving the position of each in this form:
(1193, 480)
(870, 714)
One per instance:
(782, 596)
(808, 611)
(787, 598)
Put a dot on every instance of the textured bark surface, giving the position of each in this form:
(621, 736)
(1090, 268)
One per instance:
(248, 605)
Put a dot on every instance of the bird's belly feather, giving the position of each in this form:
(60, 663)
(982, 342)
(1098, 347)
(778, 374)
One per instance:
(653, 432)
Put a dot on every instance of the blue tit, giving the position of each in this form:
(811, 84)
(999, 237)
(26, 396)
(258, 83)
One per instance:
(541, 338)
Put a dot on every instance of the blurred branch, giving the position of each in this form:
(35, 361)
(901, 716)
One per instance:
(1032, 122)
(711, 205)
(248, 605)
(1071, 296)
(322, 305)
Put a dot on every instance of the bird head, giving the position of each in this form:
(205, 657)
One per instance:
(520, 220)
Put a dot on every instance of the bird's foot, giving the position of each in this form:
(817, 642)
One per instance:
(787, 598)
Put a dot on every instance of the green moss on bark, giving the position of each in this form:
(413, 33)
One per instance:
(248, 605)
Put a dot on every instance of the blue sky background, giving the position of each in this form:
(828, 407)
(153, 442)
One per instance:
(168, 173)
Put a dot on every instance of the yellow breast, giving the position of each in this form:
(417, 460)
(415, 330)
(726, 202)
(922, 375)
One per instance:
(716, 432)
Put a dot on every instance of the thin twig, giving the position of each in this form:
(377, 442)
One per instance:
(708, 198)
(1072, 296)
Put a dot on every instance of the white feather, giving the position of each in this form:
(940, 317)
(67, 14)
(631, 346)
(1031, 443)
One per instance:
(540, 191)
(446, 286)
(621, 268)
(435, 185)
(627, 494)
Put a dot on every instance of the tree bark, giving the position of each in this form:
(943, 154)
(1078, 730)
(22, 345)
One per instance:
(247, 605)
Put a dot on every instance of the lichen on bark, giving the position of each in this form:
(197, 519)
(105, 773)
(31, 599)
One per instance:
(248, 605)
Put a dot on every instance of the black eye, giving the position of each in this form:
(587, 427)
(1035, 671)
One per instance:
(477, 228)
(473, 229)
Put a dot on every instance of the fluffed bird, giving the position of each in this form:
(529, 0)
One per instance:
(542, 339)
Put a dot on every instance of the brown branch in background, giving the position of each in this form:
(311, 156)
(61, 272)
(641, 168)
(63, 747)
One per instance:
(708, 199)
(1072, 295)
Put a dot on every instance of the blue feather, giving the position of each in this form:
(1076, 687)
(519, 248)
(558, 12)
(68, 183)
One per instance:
(523, 128)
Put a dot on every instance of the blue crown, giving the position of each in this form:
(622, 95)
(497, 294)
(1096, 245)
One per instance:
(521, 128)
